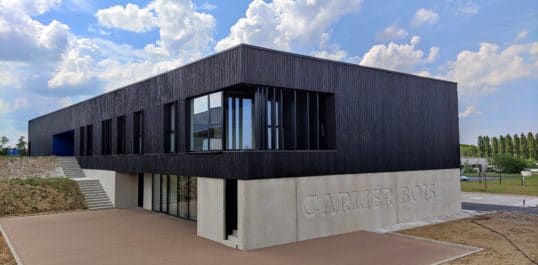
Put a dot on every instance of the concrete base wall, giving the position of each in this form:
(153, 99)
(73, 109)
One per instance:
(107, 179)
(278, 211)
(126, 190)
(121, 188)
(210, 223)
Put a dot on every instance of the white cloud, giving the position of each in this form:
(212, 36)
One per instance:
(424, 16)
(470, 110)
(336, 55)
(468, 8)
(391, 32)
(433, 54)
(207, 7)
(30, 7)
(130, 18)
(282, 24)
(399, 57)
(485, 70)
(522, 34)
(25, 39)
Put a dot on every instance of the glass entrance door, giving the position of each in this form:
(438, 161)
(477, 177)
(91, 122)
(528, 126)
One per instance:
(175, 195)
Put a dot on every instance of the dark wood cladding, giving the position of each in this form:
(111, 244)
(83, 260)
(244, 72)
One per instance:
(384, 121)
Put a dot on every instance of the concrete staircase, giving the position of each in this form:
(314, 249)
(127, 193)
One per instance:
(232, 241)
(94, 194)
(70, 167)
(92, 190)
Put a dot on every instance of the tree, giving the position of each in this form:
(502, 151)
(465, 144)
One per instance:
(468, 150)
(509, 145)
(481, 146)
(536, 146)
(502, 145)
(494, 146)
(3, 141)
(488, 145)
(21, 145)
(524, 149)
(517, 146)
(532, 146)
(509, 164)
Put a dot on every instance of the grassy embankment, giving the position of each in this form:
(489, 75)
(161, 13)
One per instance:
(511, 184)
(39, 195)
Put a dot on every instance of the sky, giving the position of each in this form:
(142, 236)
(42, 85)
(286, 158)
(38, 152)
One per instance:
(55, 53)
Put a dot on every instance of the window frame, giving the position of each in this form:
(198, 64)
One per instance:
(138, 132)
(170, 127)
(121, 125)
(209, 126)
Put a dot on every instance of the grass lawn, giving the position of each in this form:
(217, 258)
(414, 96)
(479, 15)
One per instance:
(511, 184)
(39, 195)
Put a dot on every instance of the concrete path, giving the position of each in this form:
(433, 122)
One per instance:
(142, 237)
(499, 199)
(480, 207)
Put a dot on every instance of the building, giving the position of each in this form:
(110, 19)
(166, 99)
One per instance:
(263, 147)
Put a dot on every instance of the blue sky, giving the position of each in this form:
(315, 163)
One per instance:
(55, 53)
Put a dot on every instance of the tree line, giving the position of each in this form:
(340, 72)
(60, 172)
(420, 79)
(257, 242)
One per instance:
(21, 145)
(521, 146)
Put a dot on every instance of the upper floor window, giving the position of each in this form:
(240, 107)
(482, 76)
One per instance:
(239, 116)
(81, 141)
(89, 140)
(138, 132)
(120, 135)
(170, 128)
(106, 137)
(206, 122)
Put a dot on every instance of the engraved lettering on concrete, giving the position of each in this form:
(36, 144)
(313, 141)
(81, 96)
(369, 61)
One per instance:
(346, 202)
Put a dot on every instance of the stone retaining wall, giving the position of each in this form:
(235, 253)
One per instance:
(29, 167)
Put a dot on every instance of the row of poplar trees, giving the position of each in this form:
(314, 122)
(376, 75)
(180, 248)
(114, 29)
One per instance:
(523, 146)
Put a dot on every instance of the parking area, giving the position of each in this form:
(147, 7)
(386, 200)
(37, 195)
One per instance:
(119, 236)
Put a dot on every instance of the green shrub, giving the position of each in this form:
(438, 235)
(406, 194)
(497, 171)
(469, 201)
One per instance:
(509, 164)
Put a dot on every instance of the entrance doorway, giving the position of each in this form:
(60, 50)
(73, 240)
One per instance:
(63, 144)
(230, 206)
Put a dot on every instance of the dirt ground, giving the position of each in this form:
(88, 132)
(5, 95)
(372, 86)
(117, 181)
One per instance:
(522, 229)
(5, 255)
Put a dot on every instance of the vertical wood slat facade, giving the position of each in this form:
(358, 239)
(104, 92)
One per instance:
(383, 120)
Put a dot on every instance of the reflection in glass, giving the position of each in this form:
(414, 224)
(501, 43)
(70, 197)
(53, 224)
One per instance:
(183, 190)
(164, 193)
(239, 132)
(206, 112)
(156, 200)
(193, 198)
(172, 197)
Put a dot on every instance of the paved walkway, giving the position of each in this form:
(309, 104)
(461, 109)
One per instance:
(498, 208)
(499, 199)
(142, 237)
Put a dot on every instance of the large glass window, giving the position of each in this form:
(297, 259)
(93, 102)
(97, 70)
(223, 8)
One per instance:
(193, 198)
(156, 198)
(170, 128)
(120, 136)
(81, 141)
(138, 132)
(106, 137)
(183, 190)
(164, 193)
(89, 140)
(172, 195)
(239, 130)
(175, 195)
(206, 122)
